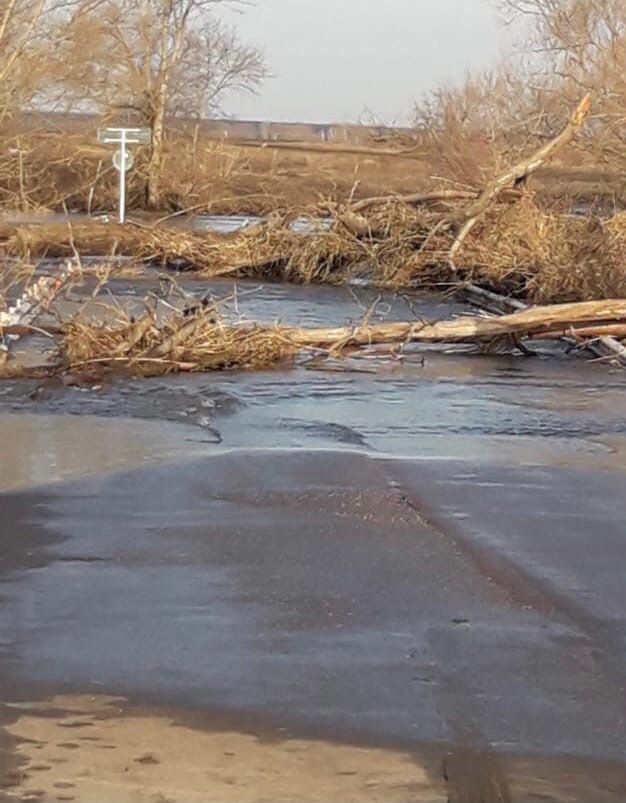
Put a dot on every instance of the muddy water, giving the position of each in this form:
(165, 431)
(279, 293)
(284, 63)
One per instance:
(38, 450)
(421, 560)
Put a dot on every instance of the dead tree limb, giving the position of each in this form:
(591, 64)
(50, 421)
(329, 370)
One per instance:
(606, 345)
(518, 172)
(420, 198)
(550, 321)
(414, 199)
(33, 302)
(173, 341)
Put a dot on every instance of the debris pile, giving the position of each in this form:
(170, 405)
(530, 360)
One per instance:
(496, 247)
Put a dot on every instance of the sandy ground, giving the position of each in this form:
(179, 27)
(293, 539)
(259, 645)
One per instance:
(90, 749)
(98, 748)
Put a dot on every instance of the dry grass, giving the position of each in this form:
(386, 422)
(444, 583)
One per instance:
(50, 170)
(549, 257)
(13, 277)
(526, 248)
(198, 343)
(273, 249)
(42, 168)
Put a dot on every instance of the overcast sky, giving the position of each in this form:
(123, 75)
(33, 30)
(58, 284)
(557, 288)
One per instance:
(333, 58)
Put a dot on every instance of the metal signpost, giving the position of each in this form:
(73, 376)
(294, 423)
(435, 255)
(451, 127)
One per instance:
(123, 159)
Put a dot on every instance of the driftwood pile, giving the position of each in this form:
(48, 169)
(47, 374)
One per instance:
(495, 247)
(496, 238)
(198, 339)
(203, 342)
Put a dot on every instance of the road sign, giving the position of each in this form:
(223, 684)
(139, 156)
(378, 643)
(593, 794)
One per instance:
(131, 136)
(123, 159)
(129, 160)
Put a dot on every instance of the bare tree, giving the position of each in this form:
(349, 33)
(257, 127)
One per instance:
(578, 46)
(574, 45)
(569, 48)
(157, 58)
(21, 49)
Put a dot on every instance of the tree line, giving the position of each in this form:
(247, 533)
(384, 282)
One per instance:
(563, 49)
(139, 61)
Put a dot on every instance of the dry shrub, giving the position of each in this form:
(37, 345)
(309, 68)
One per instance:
(42, 168)
(322, 256)
(548, 257)
(520, 249)
(144, 243)
(332, 255)
(274, 249)
(50, 170)
(13, 278)
(269, 249)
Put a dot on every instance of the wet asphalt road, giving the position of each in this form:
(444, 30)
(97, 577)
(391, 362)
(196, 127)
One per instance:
(440, 568)
(319, 595)
(315, 592)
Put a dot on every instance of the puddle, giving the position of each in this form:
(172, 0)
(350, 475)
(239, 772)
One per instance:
(43, 449)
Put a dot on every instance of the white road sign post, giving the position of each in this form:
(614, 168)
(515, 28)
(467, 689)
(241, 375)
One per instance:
(123, 159)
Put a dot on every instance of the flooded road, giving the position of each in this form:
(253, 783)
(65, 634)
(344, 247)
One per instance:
(404, 581)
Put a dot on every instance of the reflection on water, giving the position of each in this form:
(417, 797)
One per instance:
(41, 449)
(226, 224)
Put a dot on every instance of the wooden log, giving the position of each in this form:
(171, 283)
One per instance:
(137, 331)
(419, 198)
(614, 348)
(23, 330)
(414, 199)
(487, 299)
(549, 321)
(171, 342)
(604, 346)
(616, 330)
(601, 344)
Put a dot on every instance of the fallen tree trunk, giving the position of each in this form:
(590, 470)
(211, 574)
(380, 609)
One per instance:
(613, 347)
(521, 171)
(616, 330)
(604, 346)
(418, 198)
(551, 321)
(206, 342)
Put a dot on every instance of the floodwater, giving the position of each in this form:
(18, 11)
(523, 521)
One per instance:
(224, 224)
(373, 580)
